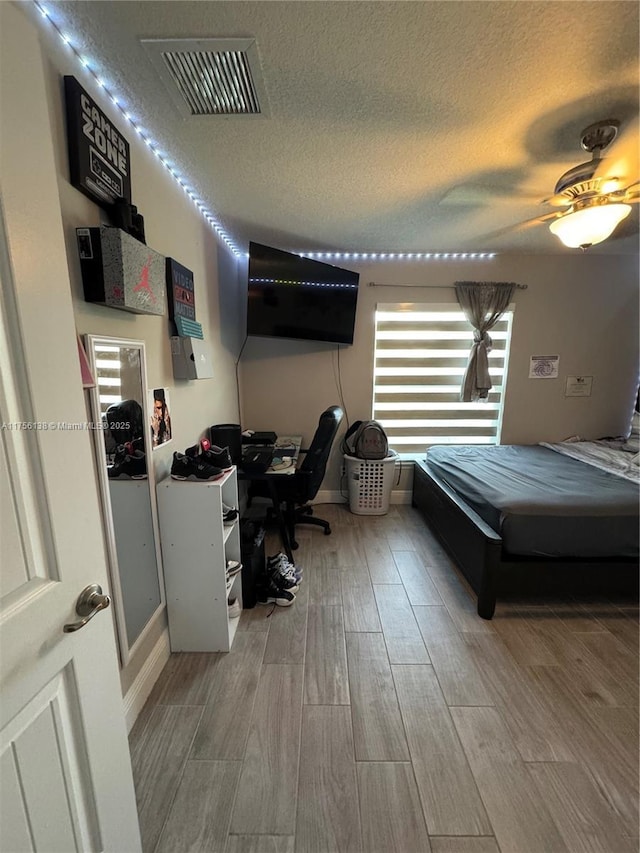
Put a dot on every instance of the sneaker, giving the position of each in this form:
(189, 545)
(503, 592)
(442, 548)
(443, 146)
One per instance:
(191, 468)
(229, 514)
(282, 580)
(233, 567)
(271, 594)
(282, 563)
(233, 608)
(127, 449)
(130, 467)
(219, 457)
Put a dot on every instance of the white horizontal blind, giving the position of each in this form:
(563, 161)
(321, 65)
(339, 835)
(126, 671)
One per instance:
(109, 376)
(421, 354)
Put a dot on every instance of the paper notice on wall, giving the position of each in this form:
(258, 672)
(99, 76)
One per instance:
(544, 366)
(578, 386)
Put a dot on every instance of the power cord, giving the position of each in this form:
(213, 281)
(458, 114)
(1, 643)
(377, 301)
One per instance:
(244, 343)
(337, 375)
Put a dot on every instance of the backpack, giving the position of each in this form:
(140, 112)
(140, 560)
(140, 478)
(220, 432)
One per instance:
(366, 440)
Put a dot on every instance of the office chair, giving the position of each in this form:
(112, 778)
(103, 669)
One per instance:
(296, 491)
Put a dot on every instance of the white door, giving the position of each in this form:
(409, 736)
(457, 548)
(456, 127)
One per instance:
(65, 771)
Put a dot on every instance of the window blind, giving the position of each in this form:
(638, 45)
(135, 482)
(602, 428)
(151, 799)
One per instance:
(421, 355)
(109, 376)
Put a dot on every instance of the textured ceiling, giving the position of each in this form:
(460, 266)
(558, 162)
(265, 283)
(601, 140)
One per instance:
(379, 111)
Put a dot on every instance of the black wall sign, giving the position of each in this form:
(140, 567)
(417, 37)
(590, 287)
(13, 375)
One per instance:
(99, 156)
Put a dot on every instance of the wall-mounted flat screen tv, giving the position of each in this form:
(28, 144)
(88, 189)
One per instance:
(295, 297)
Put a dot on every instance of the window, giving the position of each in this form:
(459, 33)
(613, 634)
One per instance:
(110, 378)
(421, 354)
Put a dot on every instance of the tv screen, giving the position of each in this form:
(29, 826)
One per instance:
(294, 297)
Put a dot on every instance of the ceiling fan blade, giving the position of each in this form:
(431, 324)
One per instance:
(631, 195)
(557, 200)
(622, 159)
(479, 194)
(521, 226)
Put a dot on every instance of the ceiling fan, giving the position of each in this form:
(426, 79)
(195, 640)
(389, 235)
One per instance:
(589, 200)
(593, 199)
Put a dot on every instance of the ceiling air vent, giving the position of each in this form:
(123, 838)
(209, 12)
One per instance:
(210, 77)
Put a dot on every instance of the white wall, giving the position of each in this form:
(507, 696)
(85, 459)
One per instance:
(175, 228)
(581, 307)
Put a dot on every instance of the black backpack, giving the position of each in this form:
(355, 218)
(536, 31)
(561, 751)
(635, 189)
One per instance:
(366, 440)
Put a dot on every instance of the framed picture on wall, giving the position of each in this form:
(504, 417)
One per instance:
(160, 417)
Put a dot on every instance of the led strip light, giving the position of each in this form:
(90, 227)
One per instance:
(401, 256)
(217, 227)
(213, 222)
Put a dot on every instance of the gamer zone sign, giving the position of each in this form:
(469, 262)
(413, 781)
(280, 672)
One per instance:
(99, 155)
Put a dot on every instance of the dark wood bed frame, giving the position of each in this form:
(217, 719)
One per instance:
(479, 553)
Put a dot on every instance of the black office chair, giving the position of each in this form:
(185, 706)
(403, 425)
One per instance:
(297, 490)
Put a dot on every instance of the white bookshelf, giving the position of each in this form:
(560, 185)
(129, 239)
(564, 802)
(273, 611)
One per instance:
(195, 548)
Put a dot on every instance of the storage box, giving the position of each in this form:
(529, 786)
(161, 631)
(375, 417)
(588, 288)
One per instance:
(191, 358)
(119, 271)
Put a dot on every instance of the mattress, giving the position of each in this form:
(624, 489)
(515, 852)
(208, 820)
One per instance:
(543, 503)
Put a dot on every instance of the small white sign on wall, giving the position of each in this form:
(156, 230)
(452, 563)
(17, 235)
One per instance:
(578, 386)
(544, 366)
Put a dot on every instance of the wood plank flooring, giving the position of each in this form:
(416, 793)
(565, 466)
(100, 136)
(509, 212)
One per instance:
(380, 714)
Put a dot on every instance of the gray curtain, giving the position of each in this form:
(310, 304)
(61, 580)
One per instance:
(483, 304)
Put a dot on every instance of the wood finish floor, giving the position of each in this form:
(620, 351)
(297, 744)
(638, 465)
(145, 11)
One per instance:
(380, 714)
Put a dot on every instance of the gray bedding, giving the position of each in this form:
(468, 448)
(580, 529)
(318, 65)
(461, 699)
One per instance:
(543, 503)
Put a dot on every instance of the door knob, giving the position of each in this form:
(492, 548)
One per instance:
(90, 601)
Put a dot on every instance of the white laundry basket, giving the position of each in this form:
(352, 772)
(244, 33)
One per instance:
(370, 483)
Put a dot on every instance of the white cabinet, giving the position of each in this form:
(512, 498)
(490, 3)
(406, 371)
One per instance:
(195, 548)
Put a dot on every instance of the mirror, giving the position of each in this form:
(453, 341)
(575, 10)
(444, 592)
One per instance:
(126, 476)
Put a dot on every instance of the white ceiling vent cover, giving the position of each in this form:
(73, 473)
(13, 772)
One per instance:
(210, 77)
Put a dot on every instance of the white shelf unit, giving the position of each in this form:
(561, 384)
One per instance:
(195, 548)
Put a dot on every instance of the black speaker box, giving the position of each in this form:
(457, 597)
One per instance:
(228, 435)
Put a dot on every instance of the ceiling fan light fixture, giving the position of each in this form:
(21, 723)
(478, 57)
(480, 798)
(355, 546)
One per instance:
(589, 225)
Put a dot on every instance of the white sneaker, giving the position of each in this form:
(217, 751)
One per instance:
(234, 609)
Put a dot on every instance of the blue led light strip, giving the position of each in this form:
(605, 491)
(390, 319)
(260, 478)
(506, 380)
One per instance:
(217, 227)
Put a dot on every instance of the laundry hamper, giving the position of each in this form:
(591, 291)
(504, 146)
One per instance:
(370, 483)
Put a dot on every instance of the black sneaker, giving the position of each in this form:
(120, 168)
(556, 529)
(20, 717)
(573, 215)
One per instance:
(191, 468)
(219, 457)
(129, 467)
(272, 595)
(233, 567)
(281, 580)
(229, 514)
(127, 449)
(281, 562)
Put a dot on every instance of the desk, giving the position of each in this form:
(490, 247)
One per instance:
(287, 450)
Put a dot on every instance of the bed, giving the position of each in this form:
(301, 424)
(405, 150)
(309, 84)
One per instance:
(536, 518)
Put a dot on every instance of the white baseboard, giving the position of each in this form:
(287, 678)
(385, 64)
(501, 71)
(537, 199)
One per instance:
(398, 496)
(402, 497)
(139, 691)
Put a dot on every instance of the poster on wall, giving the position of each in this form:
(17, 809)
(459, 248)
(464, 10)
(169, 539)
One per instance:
(160, 417)
(181, 291)
(578, 386)
(544, 366)
(99, 155)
